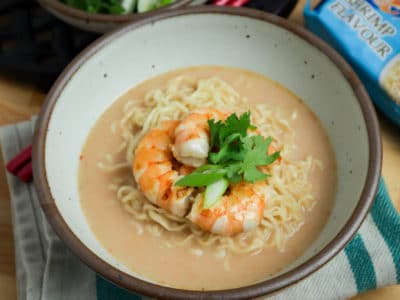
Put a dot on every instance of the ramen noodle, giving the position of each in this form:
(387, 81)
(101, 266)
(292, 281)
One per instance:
(290, 190)
(367, 34)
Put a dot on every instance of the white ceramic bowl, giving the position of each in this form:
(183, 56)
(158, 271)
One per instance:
(207, 36)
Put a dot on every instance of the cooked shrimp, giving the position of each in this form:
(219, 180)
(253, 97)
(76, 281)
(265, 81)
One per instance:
(239, 211)
(154, 171)
(192, 140)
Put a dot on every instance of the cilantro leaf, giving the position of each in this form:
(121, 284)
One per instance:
(257, 149)
(233, 125)
(214, 131)
(229, 151)
(252, 174)
(234, 156)
(225, 138)
(257, 155)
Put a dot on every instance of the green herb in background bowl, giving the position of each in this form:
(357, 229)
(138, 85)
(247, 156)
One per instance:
(101, 16)
(116, 7)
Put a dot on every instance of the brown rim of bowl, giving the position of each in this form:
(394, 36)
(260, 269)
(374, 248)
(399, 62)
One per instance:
(136, 285)
(76, 13)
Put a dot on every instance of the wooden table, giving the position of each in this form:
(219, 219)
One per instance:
(19, 101)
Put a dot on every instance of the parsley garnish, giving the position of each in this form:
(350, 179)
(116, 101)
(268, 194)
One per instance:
(234, 155)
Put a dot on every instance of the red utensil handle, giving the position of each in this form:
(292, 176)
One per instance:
(25, 174)
(18, 162)
(238, 3)
(220, 2)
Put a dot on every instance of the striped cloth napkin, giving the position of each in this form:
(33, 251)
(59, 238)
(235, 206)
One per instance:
(47, 270)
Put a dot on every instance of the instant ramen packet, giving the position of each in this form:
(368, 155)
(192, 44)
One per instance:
(367, 34)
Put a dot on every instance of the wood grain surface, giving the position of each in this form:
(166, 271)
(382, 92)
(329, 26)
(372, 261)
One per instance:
(19, 101)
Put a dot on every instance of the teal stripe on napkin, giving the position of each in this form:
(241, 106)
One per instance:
(386, 219)
(361, 264)
(108, 291)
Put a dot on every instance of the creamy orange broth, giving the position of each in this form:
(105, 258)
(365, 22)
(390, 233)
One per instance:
(178, 267)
